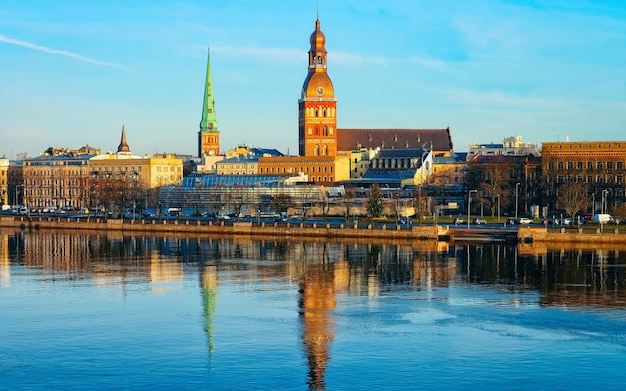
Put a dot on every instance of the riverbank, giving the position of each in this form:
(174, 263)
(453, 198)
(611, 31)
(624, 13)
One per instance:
(526, 235)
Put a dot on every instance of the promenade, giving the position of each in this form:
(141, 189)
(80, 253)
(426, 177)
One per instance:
(442, 232)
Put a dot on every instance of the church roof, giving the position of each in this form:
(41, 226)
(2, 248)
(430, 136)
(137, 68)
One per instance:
(350, 139)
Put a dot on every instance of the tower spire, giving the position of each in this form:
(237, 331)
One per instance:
(208, 140)
(123, 147)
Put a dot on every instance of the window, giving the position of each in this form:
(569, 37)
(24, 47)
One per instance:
(609, 165)
(599, 179)
(619, 165)
(570, 165)
(589, 165)
(559, 165)
(579, 165)
(599, 165)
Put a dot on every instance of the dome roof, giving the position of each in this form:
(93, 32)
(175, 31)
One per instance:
(318, 40)
(318, 85)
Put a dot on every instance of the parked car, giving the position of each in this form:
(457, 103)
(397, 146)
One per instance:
(512, 220)
(479, 220)
(525, 220)
(404, 220)
(458, 220)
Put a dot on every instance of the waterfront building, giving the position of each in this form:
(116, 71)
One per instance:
(511, 182)
(57, 178)
(317, 106)
(438, 140)
(396, 168)
(4, 182)
(321, 170)
(511, 146)
(15, 182)
(209, 135)
(244, 160)
(143, 172)
(599, 165)
(449, 170)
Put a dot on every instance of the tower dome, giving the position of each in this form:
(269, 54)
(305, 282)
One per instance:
(318, 40)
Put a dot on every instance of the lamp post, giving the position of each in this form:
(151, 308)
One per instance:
(516, 187)
(469, 205)
(397, 197)
(16, 198)
(498, 198)
(593, 204)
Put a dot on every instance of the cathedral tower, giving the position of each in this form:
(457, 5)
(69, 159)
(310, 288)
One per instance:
(317, 115)
(208, 136)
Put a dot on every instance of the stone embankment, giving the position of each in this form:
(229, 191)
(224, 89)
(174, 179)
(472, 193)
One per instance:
(525, 235)
(220, 228)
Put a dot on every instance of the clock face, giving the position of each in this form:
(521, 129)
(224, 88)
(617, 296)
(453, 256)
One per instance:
(319, 91)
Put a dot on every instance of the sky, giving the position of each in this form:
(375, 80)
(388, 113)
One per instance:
(72, 72)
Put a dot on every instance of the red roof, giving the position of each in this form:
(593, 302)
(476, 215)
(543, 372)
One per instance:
(350, 139)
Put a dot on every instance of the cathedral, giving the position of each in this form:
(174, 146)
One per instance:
(326, 155)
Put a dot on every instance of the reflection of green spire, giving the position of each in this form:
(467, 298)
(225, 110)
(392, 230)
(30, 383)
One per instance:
(208, 283)
(208, 122)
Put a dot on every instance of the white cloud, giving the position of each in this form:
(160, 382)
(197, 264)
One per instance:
(71, 55)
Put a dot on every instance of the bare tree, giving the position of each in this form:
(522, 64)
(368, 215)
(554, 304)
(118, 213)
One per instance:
(238, 198)
(573, 197)
(421, 203)
(282, 202)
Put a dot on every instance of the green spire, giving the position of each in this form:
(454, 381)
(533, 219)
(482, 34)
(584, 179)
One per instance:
(208, 122)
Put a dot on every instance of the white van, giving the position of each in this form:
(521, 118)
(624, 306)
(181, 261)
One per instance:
(602, 218)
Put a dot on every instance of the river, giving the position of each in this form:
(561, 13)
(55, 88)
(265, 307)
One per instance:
(106, 311)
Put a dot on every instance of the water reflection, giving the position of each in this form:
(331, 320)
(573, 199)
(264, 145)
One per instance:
(558, 276)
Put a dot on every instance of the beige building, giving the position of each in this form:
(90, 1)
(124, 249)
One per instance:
(57, 178)
(4, 181)
(143, 171)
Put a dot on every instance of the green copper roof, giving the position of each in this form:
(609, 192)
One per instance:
(208, 122)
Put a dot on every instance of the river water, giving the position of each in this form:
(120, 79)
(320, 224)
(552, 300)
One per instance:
(92, 311)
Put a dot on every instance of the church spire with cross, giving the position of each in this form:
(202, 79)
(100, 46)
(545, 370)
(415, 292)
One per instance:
(209, 135)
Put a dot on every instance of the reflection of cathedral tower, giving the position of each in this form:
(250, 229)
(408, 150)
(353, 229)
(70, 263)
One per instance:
(317, 120)
(209, 136)
(317, 299)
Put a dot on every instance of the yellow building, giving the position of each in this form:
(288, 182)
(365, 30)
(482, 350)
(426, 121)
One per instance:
(4, 181)
(143, 171)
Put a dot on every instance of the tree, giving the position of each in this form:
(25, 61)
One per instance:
(348, 201)
(238, 198)
(573, 197)
(282, 202)
(493, 176)
(375, 201)
(421, 204)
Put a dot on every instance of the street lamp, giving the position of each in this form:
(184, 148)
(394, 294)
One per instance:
(16, 198)
(604, 193)
(498, 198)
(516, 187)
(469, 205)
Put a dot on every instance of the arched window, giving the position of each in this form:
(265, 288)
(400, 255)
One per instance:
(316, 149)
(325, 150)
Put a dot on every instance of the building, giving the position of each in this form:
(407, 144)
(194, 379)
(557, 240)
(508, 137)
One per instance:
(4, 182)
(57, 178)
(317, 106)
(511, 146)
(209, 135)
(438, 140)
(599, 165)
(143, 172)
(322, 170)
(396, 168)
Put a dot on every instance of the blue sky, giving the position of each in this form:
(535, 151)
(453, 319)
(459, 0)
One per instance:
(73, 71)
